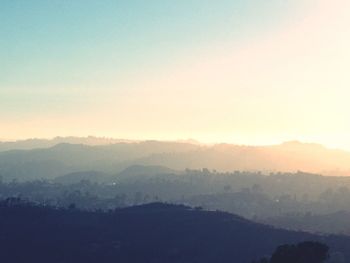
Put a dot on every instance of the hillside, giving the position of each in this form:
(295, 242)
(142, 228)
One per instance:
(67, 158)
(149, 233)
(337, 222)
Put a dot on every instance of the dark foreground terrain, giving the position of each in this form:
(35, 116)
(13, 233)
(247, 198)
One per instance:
(149, 233)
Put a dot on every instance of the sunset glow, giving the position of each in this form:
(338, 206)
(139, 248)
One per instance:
(248, 72)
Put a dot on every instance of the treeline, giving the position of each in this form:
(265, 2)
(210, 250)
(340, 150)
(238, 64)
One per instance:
(298, 190)
(297, 201)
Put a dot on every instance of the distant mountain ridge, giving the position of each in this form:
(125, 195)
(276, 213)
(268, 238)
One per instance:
(35, 143)
(112, 156)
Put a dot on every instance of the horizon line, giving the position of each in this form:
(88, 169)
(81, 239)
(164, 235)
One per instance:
(178, 140)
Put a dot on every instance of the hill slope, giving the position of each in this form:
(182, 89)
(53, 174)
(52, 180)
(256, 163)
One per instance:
(148, 233)
(113, 158)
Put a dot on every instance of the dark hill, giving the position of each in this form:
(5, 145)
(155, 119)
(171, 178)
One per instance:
(149, 233)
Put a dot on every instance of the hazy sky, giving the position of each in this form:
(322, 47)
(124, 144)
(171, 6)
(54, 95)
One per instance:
(244, 71)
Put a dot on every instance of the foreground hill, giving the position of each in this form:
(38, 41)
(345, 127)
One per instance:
(112, 158)
(149, 233)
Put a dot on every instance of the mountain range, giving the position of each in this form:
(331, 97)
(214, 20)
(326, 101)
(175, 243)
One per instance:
(36, 159)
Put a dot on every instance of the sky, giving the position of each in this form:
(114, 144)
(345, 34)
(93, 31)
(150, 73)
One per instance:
(238, 71)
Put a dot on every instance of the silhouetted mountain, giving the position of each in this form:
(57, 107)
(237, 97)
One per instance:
(149, 233)
(70, 158)
(113, 158)
(287, 157)
(30, 144)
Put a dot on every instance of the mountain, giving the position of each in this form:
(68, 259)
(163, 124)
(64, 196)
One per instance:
(67, 158)
(287, 157)
(30, 144)
(113, 158)
(149, 233)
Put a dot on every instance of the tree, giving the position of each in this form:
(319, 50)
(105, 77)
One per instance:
(305, 252)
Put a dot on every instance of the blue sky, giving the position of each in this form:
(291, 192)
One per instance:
(212, 70)
(51, 43)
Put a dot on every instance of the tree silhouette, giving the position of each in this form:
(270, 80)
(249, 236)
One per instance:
(305, 252)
